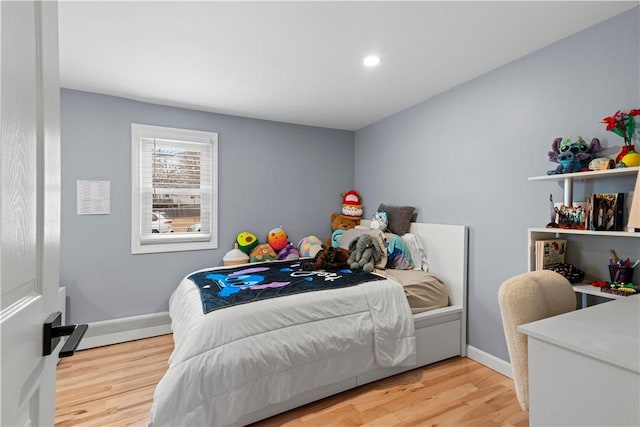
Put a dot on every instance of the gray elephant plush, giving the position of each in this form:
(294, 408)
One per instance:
(364, 253)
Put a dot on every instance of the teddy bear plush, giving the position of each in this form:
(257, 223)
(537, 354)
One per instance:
(364, 253)
(329, 258)
(343, 222)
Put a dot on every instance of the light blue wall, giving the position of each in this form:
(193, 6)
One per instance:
(464, 156)
(270, 174)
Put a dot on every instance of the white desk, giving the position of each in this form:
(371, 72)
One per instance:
(584, 366)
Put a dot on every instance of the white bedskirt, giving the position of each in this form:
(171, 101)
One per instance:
(237, 360)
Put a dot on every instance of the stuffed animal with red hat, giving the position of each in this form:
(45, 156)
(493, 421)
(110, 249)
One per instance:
(351, 203)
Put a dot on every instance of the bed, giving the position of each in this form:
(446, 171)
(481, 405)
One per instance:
(276, 354)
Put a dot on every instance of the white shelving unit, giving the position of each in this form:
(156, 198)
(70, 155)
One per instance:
(552, 233)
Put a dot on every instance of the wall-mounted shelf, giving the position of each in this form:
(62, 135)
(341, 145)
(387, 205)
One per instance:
(588, 175)
(559, 231)
(568, 179)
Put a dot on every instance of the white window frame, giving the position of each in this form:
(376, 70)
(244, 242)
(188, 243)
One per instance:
(170, 242)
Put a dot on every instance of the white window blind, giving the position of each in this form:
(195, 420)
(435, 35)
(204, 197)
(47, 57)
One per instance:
(174, 206)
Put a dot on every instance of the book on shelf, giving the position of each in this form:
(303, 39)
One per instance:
(605, 212)
(550, 252)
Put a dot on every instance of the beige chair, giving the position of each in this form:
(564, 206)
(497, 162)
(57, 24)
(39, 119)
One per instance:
(523, 299)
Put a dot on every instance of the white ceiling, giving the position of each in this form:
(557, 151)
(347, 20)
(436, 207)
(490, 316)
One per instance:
(301, 62)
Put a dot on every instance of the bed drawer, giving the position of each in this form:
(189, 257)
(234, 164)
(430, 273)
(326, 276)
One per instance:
(437, 342)
(433, 343)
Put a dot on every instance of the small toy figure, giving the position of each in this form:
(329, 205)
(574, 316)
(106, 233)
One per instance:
(572, 156)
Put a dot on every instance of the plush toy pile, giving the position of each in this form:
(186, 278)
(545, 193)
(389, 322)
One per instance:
(365, 251)
(276, 247)
(248, 248)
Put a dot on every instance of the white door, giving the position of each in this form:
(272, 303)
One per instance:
(30, 208)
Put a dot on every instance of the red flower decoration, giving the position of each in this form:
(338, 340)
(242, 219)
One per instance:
(622, 124)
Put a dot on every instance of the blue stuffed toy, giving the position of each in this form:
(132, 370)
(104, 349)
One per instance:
(573, 156)
(335, 237)
(379, 221)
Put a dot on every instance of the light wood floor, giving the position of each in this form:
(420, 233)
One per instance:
(113, 386)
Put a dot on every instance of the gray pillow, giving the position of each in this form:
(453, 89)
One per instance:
(399, 218)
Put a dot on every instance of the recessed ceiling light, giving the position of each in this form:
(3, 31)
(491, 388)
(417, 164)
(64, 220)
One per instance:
(371, 61)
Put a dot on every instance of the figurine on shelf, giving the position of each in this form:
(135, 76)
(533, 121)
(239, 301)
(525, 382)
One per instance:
(624, 289)
(553, 223)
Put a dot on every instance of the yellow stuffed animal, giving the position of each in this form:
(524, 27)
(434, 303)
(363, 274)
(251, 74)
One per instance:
(631, 159)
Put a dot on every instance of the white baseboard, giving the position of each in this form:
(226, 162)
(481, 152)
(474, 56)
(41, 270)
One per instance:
(490, 361)
(124, 329)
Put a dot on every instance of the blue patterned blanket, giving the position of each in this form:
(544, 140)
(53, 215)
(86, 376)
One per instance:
(226, 287)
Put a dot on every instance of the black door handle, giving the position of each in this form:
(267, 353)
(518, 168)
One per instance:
(53, 331)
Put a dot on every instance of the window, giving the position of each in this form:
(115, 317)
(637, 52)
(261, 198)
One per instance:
(173, 190)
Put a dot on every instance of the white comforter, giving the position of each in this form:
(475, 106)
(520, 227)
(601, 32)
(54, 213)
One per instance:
(237, 360)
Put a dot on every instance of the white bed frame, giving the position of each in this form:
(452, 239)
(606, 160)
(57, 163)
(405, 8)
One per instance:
(440, 333)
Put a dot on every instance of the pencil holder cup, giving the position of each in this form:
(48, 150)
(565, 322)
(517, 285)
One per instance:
(620, 274)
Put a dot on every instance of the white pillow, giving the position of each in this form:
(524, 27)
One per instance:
(418, 253)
